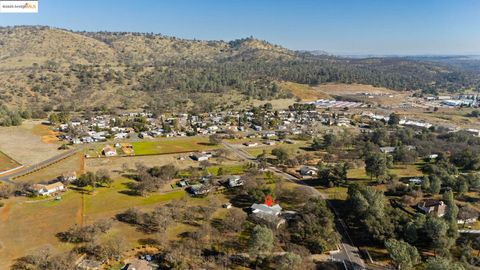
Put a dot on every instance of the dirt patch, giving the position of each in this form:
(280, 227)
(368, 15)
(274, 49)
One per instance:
(24, 143)
(7, 163)
(4, 212)
(47, 135)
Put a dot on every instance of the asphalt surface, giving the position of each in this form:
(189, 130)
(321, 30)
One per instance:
(348, 253)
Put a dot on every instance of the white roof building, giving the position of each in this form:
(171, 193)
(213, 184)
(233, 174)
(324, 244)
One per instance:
(263, 208)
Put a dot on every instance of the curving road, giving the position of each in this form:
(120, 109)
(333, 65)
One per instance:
(349, 254)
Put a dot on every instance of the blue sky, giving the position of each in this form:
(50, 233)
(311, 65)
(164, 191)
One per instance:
(336, 26)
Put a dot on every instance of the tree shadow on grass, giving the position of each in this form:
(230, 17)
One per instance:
(241, 201)
(148, 241)
(130, 191)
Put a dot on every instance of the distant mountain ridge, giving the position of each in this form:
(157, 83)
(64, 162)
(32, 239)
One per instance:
(51, 66)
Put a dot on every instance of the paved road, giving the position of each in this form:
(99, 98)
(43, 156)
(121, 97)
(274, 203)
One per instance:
(349, 254)
(28, 169)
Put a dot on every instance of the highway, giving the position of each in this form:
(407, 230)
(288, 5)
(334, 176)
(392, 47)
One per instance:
(349, 254)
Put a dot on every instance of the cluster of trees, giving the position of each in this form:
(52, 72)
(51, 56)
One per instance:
(15, 117)
(83, 234)
(401, 234)
(314, 228)
(101, 177)
(152, 179)
(45, 259)
(88, 241)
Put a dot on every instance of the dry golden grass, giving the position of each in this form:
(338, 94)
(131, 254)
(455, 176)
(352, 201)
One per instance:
(72, 163)
(304, 92)
(24, 144)
(350, 89)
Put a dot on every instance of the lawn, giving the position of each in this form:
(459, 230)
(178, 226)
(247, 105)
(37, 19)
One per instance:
(26, 225)
(35, 222)
(116, 198)
(407, 171)
(7, 163)
(172, 145)
(291, 148)
(401, 171)
(227, 169)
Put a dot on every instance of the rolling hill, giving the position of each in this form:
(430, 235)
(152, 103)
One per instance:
(49, 67)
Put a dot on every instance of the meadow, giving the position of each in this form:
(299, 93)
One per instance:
(172, 145)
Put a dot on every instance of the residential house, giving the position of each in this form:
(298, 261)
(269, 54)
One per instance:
(268, 215)
(432, 206)
(68, 177)
(308, 171)
(234, 181)
(139, 265)
(127, 148)
(250, 144)
(46, 190)
(199, 190)
(109, 151)
(263, 208)
(201, 156)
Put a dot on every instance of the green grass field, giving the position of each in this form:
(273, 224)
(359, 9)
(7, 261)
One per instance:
(409, 170)
(7, 163)
(115, 198)
(35, 222)
(172, 145)
(227, 169)
(291, 148)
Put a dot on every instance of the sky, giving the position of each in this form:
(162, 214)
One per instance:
(380, 27)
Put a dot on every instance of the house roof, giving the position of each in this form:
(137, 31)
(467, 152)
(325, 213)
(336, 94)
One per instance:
(272, 210)
(430, 203)
(108, 148)
(138, 265)
(54, 185)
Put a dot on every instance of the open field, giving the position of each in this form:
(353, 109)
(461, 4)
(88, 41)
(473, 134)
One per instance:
(24, 143)
(304, 91)
(35, 222)
(72, 163)
(27, 225)
(351, 89)
(292, 148)
(114, 164)
(172, 145)
(7, 163)
(409, 170)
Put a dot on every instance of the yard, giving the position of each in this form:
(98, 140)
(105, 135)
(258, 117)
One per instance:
(401, 171)
(291, 148)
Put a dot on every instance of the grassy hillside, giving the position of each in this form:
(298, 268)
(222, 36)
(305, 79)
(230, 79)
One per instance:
(48, 66)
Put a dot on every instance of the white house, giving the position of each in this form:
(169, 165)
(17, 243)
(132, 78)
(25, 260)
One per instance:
(235, 181)
(109, 151)
(45, 190)
(308, 171)
(250, 144)
(263, 208)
